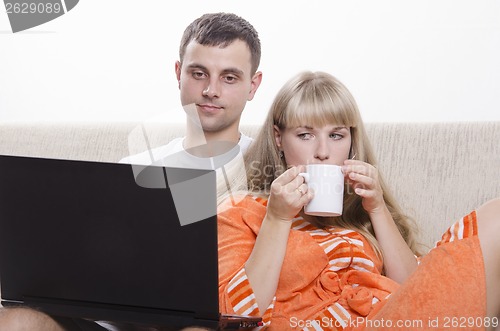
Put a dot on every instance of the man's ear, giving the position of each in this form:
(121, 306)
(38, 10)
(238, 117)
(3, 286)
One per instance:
(178, 67)
(277, 136)
(254, 84)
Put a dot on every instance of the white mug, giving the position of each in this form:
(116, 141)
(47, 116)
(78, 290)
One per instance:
(327, 183)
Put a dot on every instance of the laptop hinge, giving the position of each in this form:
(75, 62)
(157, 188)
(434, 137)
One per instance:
(117, 313)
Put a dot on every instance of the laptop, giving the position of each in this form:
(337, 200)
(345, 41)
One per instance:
(83, 239)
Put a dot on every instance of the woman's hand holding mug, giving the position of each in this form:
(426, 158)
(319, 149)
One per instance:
(289, 194)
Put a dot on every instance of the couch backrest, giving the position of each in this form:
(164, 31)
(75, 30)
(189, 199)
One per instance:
(438, 171)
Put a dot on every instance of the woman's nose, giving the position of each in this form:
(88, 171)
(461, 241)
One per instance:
(322, 152)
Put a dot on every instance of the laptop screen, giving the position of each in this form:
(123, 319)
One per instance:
(85, 233)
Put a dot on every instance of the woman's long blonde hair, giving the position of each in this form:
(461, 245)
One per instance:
(316, 99)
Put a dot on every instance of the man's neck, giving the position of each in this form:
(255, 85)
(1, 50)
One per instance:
(209, 144)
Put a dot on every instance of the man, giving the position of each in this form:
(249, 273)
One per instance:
(217, 75)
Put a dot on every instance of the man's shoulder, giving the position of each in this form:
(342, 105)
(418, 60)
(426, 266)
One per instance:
(174, 146)
(150, 156)
(245, 142)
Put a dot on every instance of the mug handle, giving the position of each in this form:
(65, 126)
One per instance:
(305, 175)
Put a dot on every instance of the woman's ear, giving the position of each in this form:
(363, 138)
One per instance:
(277, 136)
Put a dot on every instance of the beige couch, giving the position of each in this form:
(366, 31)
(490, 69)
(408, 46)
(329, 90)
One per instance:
(438, 171)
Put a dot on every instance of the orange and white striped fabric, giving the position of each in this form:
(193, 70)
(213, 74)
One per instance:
(242, 298)
(329, 278)
(463, 228)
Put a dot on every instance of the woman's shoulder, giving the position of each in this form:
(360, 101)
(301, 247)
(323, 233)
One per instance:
(249, 207)
(243, 201)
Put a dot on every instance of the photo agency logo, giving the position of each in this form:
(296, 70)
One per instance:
(25, 14)
(195, 182)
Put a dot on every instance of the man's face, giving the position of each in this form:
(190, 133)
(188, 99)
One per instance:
(218, 82)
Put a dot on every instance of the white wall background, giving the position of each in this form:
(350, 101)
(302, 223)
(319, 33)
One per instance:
(422, 60)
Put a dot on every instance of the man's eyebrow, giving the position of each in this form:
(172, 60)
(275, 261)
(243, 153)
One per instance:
(234, 71)
(196, 66)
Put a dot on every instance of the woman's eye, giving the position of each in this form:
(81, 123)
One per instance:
(305, 136)
(336, 136)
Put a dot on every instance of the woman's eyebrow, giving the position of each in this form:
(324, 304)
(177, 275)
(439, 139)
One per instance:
(311, 128)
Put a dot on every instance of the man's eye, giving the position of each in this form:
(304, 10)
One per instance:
(230, 79)
(198, 75)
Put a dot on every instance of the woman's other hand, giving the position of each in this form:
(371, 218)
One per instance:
(364, 179)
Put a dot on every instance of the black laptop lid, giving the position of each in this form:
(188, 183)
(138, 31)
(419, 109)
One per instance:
(85, 232)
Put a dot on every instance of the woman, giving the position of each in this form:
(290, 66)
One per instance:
(351, 272)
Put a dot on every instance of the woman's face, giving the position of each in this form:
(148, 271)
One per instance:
(304, 145)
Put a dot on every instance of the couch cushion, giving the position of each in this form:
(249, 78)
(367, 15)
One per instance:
(437, 171)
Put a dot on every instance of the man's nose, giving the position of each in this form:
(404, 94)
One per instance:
(212, 90)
